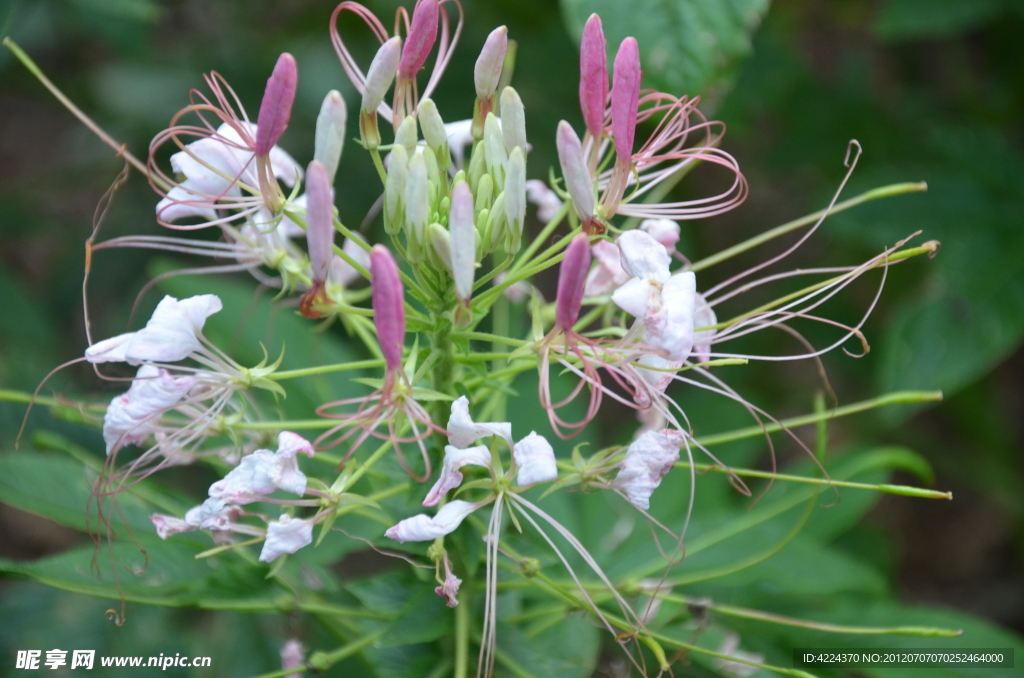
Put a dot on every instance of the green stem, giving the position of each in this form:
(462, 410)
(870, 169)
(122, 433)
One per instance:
(325, 369)
(895, 398)
(874, 194)
(462, 637)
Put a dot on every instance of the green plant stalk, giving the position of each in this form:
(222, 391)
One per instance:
(874, 194)
(904, 490)
(895, 398)
(462, 637)
(325, 369)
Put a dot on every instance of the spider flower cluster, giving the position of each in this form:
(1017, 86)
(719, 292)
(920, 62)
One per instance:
(428, 290)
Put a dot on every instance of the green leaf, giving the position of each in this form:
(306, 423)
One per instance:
(686, 46)
(568, 649)
(134, 10)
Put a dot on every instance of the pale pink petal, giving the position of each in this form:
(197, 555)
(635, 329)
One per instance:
(424, 528)
(535, 459)
(643, 256)
(463, 431)
(647, 460)
(286, 535)
(133, 416)
(169, 525)
(451, 477)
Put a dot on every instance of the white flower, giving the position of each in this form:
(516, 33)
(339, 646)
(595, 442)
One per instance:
(263, 472)
(171, 334)
(535, 459)
(663, 302)
(168, 525)
(424, 528)
(214, 514)
(460, 135)
(451, 477)
(463, 431)
(286, 535)
(133, 416)
(213, 167)
(449, 590)
(292, 657)
(547, 202)
(647, 460)
(665, 231)
(607, 274)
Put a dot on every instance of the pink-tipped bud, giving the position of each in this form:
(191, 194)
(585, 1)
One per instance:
(276, 107)
(489, 63)
(419, 42)
(388, 306)
(593, 75)
(463, 240)
(381, 74)
(319, 220)
(625, 98)
(574, 170)
(572, 277)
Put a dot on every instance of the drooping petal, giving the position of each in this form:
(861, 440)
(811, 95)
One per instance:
(424, 528)
(643, 256)
(286, 535)
(451, 476)
(169, 525)
(133, 416)
(213, 514)
(608, 275)
(535, 459)
(463, 431)
(647, 460)
(665, 231)
(169, 336)
(449, 590)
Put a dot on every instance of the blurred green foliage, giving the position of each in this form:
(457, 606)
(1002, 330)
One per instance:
(933, 90)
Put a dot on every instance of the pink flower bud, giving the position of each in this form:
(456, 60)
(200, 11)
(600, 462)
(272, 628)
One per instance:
(330, 132)
(625, 98)
(388, 306)
(574, 170)
(463, 240)
(276, 107)
(420, 40)
(489, 63)
(381, 74)
(319, 220)
(593, 75)
(572, 276)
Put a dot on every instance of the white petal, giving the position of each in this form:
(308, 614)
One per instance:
(643, 256)
(343, 273)
(703, 316)
(424, 528)
(450, 478)
(647, 460)
(169, 336)
(250, 480)
(181, 203)
(463, 431)
(286, 535)
(290, 444)
(133, 417)
(679, 297)
(547, 202)
(213, 514)
(665, 231)
(535, 459)
(168, 525)
(638, 296)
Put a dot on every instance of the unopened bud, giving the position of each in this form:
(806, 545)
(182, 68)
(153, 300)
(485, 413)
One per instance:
(489, 63)
(417, 201)
(394, 189)
(420, 40)
(319, 220)
(406, 134)
(461, 223)
(276, 107)
(572, 277)
(593, 76)
(477, 166)
(494, 148)
(433, 127)
(484, 193)
(574, 170)
(330, 133)
(442, 243)
(515, 198)
(513, 120)
(625, 98)
(381, 74)
(388, 306)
